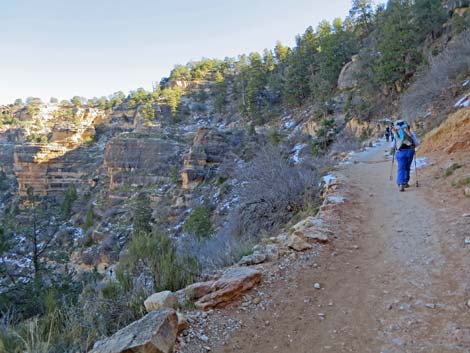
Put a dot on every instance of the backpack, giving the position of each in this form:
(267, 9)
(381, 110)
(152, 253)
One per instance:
(403, 135)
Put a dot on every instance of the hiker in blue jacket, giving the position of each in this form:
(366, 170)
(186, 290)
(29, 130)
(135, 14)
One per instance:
(403, 145)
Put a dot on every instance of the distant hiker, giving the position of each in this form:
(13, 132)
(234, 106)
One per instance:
(387, 133)
(404, 143)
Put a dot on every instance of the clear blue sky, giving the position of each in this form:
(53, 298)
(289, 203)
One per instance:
(63, 48)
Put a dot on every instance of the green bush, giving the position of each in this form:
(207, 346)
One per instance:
(89, 218)
(37, 138)
(450, 170)
(67, 203)
(199, 222)
(142, 214)
(274, 136)
(155, 254)
(4, 185)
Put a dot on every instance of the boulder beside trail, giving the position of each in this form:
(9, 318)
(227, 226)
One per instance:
(233, 282)
(155, 333)
(297, 243)
(165, 299)
(253, 259)
(312, 229)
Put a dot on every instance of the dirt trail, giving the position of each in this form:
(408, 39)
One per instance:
(395, 279)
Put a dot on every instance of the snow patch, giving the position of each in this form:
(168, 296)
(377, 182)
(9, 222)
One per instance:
(420, 163)
(328, 179)
(296, 152)
(462, 102)
(335, 198)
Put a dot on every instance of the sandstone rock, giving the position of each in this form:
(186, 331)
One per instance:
(183, 323)
(165, 299)
(348, 75)
(233, 282)
(142, 161)
(454, 5)
(48, 169)
(272, 252)
(258, 248)
(209, 148)
(467, 192)
(253, 259)
(6, 156)
(311, 229)
(297, 243)
(198, 290)
(155, 333)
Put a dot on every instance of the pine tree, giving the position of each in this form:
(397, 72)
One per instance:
(337, 45)
(142, 215)
(361, 14)
(430, 16)
(148, 111)
(281, 53)
(398, 39)
(256, 81)
(298, 70)
(69, 199)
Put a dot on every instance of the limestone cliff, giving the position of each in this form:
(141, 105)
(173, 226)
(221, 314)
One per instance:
(140, 161)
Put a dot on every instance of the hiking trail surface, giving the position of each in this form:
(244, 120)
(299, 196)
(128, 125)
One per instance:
(394, 279)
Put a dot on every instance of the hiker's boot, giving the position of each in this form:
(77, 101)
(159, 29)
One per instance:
(402, 187)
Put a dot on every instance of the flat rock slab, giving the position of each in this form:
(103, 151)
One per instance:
(312, 229)
(233, 282)
(155, 333)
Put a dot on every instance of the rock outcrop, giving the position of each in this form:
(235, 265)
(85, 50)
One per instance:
(348, 75)
(142, 161)
(209, 149)
(364, 128)
(155, 333)
(456, 5)
(6, 157)
(48, 169)
(233, 282)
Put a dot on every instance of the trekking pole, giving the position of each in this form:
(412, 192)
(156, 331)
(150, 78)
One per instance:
(393, 161)
(416, 172)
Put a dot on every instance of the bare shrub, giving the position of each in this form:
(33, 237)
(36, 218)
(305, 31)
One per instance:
(219, 251)
(436, 83)
(267, 192)
(270, 190)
